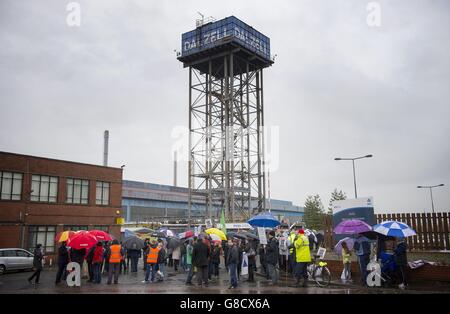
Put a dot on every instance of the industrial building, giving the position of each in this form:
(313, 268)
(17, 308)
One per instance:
(41, 197)
(148, 202)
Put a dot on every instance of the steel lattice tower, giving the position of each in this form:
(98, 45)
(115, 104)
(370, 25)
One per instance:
(226, 116)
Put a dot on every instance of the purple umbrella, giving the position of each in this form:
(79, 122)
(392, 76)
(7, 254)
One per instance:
(352, 226)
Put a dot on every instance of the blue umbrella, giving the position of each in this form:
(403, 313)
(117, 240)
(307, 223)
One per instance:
(394, 229)
(264, 220)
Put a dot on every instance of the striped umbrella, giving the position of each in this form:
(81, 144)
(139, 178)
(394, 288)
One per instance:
(394, 229)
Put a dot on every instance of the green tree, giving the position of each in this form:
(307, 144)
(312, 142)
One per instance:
(336, 196)
(314, 212)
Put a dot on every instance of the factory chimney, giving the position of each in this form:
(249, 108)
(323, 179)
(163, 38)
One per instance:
(175, 168)
(105, 148)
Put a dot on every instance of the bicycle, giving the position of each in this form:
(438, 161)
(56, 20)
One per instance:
(319, 272)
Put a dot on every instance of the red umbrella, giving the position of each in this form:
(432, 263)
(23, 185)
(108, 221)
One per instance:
(82, 240)
(186, 234)
(100, 235)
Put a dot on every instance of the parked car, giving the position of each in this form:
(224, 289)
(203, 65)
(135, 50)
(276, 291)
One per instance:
(15, 259)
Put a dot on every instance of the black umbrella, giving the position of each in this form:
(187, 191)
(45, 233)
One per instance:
(372, 235)
(250, 235)
(173, 243)
(134, 243)
(158, 234)
(238, 235)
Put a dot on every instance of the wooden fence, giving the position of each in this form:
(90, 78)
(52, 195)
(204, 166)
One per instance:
(432, 230)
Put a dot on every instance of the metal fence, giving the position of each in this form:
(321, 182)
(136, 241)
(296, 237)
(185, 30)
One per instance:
(432, 230)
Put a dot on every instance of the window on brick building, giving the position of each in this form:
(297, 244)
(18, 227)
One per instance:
(44, 188)
(75, 228)
(10, 186)
(77, 191)
(102, 228)
(102, 193)
(44, 235)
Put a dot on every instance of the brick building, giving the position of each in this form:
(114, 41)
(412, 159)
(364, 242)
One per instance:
(40, 197)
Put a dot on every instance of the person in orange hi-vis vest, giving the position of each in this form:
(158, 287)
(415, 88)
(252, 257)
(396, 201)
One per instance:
(152, 261)
(114, 257)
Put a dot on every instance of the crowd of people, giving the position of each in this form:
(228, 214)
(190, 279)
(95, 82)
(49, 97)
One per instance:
(389, 252)
(201, 257)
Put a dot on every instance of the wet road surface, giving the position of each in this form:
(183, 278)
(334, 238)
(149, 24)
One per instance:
(175, 283)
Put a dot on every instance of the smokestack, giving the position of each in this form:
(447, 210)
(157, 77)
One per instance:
(105, 149)
(175, 168)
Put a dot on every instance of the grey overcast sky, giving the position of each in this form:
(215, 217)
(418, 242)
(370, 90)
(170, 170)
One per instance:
(338, 88)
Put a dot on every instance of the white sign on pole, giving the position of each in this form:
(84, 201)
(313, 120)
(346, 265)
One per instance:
(262, 235)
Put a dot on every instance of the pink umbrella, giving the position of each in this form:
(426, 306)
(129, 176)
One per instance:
(82, 240)
(101, 235)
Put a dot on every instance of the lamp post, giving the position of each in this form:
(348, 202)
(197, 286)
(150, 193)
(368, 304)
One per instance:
(431, 192)
(353, 162)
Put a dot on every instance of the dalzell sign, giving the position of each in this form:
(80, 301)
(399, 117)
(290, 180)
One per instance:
(214, 34)
(358, 208)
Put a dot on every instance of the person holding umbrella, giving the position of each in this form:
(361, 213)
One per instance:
(161, 261)
(346, 254)
(176, 255)
(152, 261)
(200, 255)
(135, 254)
(145, 251)
(399, 230)
(189, 250)
(77, 256)
(233, 260)
(63, 260)
(215, 260)
(97, 260)
(401, 261)
(251, 253)
(105, 264)
(272, 253)
(362, 250)
(89, 258)
(114, 258)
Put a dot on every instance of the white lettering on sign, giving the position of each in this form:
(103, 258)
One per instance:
(218, 34)
(74, 276)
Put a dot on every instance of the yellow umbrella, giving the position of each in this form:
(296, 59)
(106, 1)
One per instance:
(64, 236)
(217, 232)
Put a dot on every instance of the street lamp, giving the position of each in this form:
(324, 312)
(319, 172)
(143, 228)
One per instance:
(353, 161)
(431, 192)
